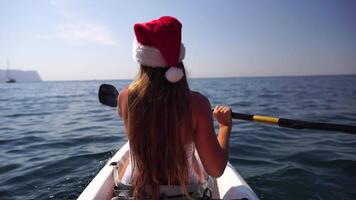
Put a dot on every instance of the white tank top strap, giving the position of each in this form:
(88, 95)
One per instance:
(190, 150)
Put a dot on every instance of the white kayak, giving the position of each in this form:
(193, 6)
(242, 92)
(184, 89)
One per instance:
(229, 186)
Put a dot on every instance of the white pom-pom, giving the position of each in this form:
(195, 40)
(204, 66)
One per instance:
(174, 74)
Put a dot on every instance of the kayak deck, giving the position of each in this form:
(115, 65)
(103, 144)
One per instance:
(229, 186)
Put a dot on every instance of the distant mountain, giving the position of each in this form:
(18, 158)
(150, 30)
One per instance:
(20, 76)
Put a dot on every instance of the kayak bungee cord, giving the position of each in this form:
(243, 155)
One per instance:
(108, 96)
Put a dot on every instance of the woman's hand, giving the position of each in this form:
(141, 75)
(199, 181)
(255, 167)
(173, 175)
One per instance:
(223, 115)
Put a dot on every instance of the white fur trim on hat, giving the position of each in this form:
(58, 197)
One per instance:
(174, 74)
(150, 56)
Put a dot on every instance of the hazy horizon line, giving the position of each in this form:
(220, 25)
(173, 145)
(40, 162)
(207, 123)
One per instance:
(213, 77)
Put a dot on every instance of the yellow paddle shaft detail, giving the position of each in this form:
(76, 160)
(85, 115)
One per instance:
(265, 119)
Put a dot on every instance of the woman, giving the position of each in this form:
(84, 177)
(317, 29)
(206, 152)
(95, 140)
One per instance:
(164, 120)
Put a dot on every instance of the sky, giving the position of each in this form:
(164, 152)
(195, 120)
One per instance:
(87, 39)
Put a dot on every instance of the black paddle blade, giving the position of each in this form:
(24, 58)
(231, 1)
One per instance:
(108, 95)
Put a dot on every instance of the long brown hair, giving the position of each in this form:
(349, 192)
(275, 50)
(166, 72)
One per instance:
(159, 125)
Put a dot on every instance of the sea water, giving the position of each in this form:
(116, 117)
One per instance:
(56, 136)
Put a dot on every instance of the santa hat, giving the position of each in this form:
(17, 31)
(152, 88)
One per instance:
(158, 44)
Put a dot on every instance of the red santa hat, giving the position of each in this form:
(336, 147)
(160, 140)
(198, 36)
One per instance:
(158, 44)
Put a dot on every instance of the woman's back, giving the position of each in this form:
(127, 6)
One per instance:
(158, 126)
(203, 136)
(164, 120)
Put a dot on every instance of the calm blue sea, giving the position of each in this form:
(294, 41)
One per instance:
(55, 136)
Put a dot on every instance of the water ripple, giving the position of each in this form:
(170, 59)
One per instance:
(55, 136)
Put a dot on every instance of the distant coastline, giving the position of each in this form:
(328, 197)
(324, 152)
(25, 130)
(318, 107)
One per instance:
(20, 76)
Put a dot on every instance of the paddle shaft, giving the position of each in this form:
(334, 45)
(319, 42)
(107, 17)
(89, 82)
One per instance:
(108, 96)
(295, 124)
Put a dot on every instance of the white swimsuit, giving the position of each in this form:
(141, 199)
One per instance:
(193, 178)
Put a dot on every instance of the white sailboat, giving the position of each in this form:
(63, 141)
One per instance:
(9, 79)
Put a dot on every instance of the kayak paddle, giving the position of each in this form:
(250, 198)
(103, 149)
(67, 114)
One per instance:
(108, 96)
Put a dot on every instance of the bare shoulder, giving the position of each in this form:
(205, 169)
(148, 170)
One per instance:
(124, 90)
(122, 102)
(122, 95)
(197, 97)
(200, 103)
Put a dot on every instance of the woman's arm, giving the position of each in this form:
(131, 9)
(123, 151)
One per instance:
(212, 151)
(122, 105)
(223, 115)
